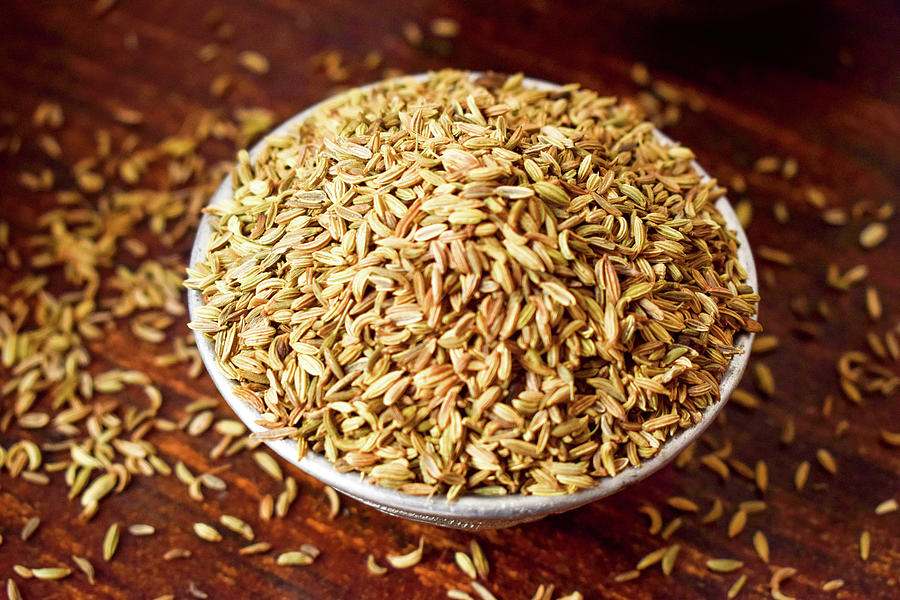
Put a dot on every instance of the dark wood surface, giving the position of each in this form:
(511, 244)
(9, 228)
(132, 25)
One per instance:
(818, 82)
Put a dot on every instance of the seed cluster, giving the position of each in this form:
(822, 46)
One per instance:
(462, 285)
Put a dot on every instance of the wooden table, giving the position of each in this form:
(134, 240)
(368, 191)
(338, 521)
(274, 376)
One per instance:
(816, 83)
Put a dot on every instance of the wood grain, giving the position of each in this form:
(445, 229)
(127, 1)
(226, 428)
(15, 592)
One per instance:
(817, 82)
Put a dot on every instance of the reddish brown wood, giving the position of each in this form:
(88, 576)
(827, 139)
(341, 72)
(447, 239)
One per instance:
(773, 83)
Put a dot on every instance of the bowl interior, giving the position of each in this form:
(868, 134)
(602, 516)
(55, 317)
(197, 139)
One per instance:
(470, 511)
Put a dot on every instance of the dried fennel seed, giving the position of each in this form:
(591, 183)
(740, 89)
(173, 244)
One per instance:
(410, 559)
(391, 264)
(724, 565)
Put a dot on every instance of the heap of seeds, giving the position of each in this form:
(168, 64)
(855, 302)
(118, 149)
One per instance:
(471, 285)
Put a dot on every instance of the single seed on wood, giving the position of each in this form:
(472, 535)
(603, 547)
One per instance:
(684, 504)
(254, 62)
(762, 476)
(788, 432)
(801, 474)
(826, 460)
(763, 344)
(736, 587)
(761, 545)
(889, 437)
(779, 576)
(30, 527)
(141, 529)
(765, 381)
(86, 567)
(832, 585)
(465, 564)
(651, 559)
(737, 523)
(23, 571)
(671, 528)
(873, 235)
(238, 526)
(724, 565)
(51, 572)
(268, 464)
(873, 303)
(627, 576)
(410, 559)
(888, 506)
(207, 532)
(294, 559)
(865, 543)
(12, 590)
(482, 591)
(257, 548)
(479, 559)
(334, 502)
(714, 513)
(655, 518)
(745, 399)
(752, 506)
(176, 553)
(373, 567)
(110, 542)
(668, 559)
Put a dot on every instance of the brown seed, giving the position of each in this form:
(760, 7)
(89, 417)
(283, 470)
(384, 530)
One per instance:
(764, 344)
(268, 464)
(668, 559)
(651, 559)
(801, 474)
(765, 381)
(465, 564)
(373, 567)
(724, 565)
(12, 590)
(257, 548)
(671, 528)
(736, 587)
(294, 559)
(761, 545)
(762, 476)
(627, 576)
(444, 27)
(86, 567)
(889, 437)
(714, 513)
(655, 518)
(254, 62)
(779, 576)
(207, 532)
(737, 523)
(51, 572)
(334, 502)
(176, 553)
(865, 543)
(29, 529)
(873, 303)
(110, 542)
(238, 526)
(410, 559)
(826, 460)
(681, 503)
(752, 506)
(873, 235)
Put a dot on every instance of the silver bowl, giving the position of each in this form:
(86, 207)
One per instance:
(470, 512)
